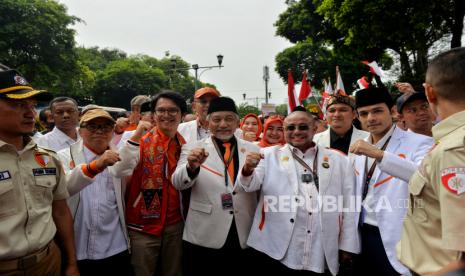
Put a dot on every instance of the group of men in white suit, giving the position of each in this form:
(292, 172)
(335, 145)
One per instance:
(375, 172)
(268, 207)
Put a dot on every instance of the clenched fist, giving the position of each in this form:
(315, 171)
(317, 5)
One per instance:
(250, 136)
(362, 147)
(108, 158)
(195, 158)
(251, 162)
(142, 128)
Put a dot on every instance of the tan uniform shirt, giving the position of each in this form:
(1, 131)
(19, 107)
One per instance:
(434, 228)
(30, 180)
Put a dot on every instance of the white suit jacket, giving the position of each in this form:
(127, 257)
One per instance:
(76, 181)
(276, 175)
(402, 156)
(324, 138)
(207, 223)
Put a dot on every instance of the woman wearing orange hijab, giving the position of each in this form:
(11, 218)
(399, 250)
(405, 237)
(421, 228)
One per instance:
(273, 133)
(251, 127)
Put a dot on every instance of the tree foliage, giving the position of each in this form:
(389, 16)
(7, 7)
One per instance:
(36, 39)
(244, 109)
(344, 32)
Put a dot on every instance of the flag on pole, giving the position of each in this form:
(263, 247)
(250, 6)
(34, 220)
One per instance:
(374, 68)
(305, 88)
(339, 84)
(290, 92)
(363, 83)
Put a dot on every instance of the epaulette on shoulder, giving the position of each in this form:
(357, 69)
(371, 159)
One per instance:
(336, 150)
(44, 150)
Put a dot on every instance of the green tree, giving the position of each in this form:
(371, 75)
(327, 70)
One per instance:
(354, 30)
(282, 109)
(123, 79)
(244, 109)
(36, 39)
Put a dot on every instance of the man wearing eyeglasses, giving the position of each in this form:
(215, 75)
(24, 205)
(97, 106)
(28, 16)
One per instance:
(384, 163)
(415, 112)
(198, 129)
(433, 231)
(298, 237)
(65, 114)
(96, 202)
(220, 212)
(153, 209)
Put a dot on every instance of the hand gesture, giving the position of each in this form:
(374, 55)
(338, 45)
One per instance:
(195, 158)
(142, 128)
(250, 136)
(108, 158)
(251, 162)
(121, 124)
(404, 87)
(362, 147)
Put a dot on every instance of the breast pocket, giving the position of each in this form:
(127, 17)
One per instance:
(42, 191)
(8, 200)
(416, 206)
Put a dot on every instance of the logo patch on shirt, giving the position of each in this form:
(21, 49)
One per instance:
(453, 180)
(5, 175)
(44, 171)
(42, 159)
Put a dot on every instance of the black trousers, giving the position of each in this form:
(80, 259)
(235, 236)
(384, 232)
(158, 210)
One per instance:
(119, 264)
(373, 259)
(231, 259)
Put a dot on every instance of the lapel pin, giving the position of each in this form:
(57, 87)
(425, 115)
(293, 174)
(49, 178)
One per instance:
(285, 158)
(325, 162)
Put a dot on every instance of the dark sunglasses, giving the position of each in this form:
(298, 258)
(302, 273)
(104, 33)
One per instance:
(298, 127)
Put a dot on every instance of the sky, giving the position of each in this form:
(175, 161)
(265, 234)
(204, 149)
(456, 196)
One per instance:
(197, 31)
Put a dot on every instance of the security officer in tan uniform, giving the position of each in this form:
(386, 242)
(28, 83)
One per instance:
(32, 189)
(433, 237)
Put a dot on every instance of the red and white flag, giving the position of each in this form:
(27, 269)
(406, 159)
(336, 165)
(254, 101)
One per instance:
(374, 68)
(290, 92)
(363, 83)
(305, 88)
(339, 84)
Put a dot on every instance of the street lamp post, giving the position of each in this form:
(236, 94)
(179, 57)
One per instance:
(196, 67)
(256, 99)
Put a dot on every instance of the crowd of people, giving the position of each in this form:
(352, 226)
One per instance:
(162, 192)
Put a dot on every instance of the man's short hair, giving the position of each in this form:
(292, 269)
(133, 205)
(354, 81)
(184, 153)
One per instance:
(62, 99)
(446, 73)
(43, 115)
(171, 95)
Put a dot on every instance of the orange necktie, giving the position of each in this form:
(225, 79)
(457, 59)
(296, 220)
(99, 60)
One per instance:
(227, 155)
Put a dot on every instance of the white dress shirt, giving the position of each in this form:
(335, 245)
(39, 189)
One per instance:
(56, 140)
(370, 203)
(97, 227)
(305, 251)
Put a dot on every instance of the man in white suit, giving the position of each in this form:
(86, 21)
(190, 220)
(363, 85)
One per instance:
(384, 163)
(220, 212)
(340, 113)
(198, 129)
(293, 180)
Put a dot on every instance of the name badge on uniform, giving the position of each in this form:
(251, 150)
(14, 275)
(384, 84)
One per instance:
(306, 177)
(5, 175)
(226, 201)
(44, 171)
